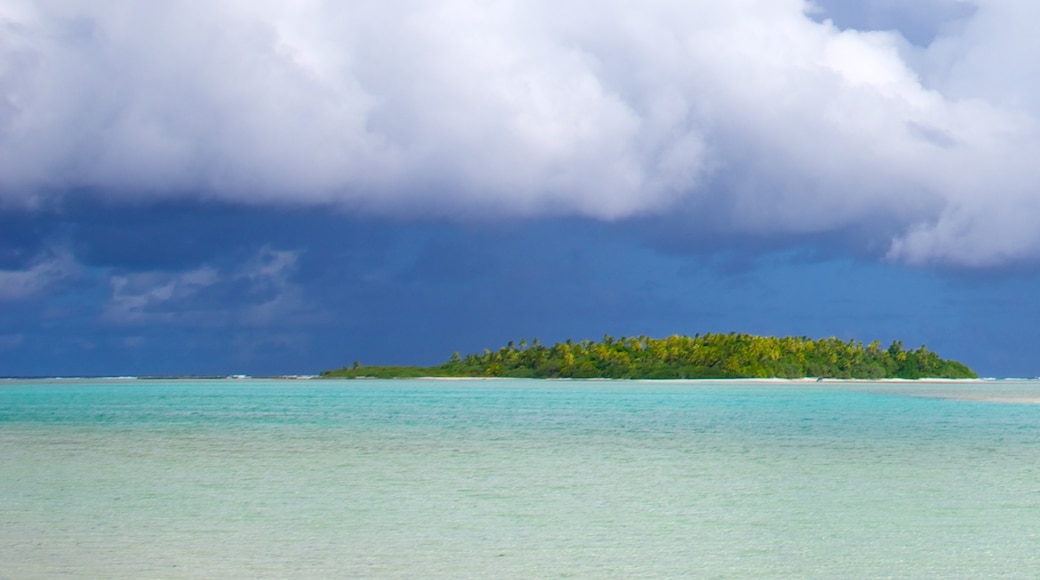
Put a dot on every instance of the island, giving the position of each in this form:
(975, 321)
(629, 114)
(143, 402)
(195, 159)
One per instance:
(702, 356)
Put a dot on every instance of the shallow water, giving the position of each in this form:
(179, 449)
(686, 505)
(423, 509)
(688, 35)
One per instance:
(442, 479)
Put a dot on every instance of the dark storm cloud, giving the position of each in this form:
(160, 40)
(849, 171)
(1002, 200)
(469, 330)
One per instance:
(300, 291)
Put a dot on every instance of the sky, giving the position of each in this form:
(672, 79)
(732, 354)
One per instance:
(271, 188)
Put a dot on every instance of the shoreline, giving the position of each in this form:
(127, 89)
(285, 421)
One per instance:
(1016, 391)
(246, 378)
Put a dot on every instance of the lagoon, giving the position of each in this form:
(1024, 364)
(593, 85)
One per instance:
(518, 479)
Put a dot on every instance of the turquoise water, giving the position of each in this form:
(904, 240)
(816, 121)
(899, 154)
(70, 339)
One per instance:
(517, 479)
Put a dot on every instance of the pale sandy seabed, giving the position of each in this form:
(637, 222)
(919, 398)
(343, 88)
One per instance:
(1014, 398)
(1015, 391)
(983, 390)
(1018, 391)
(519, 479)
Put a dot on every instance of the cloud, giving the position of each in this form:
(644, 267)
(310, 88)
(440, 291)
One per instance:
(258, 292)
(45, 273)
(760, 117)
(155, 296)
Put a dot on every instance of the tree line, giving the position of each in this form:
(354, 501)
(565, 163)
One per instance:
(702, 356)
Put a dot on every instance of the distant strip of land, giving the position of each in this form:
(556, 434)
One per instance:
(707, 356)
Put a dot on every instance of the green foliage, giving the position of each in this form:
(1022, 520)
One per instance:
(380, 372)
(709, 356)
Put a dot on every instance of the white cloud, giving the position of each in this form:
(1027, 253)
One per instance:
(607, 109)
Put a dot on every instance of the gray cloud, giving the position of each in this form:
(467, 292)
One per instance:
(43, 274)
(256, 293)
(458, 108)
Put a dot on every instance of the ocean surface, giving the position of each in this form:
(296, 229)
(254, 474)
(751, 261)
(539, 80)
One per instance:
(518, 479)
